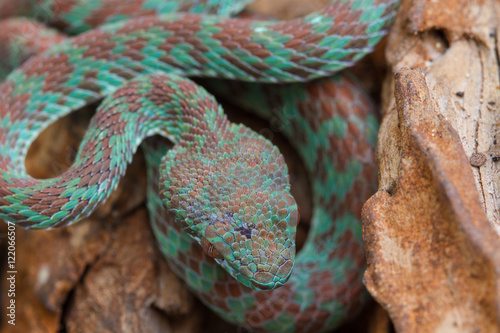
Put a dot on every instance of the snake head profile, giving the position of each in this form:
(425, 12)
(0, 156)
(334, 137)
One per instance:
(231, 194)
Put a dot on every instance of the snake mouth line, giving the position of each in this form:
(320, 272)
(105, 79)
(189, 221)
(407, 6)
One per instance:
(267, 287)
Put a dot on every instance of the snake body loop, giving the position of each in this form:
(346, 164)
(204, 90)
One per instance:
(223, 186)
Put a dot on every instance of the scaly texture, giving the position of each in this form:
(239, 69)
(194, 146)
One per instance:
(226, 187)
(333, 126)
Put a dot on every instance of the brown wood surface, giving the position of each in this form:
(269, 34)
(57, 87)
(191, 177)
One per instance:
(429, 230)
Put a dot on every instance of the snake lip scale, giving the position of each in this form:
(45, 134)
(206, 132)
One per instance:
(219, 198)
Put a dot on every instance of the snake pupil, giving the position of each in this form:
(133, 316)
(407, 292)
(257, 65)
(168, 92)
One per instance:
(245, 230)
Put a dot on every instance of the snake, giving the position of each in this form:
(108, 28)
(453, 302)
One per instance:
(218, 193)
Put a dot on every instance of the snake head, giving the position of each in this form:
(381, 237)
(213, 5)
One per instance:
(231, 194)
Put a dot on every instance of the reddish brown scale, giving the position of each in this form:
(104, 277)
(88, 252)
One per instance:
(6, 90)
(183, 258)
(18, 110)
(221, 303)
(302, 72)
(364, 152)
(96, 170)
(256, 318)
(188, 89)
(84, 180)
(196, 53)
(304, 40)
(344, 108)
(307, 320)
(186, 28)
(355, 43)
(391, 8)
(237, 35)
(360, 259)
(55, 67)
(297, 130)
(322, 285)
(251, 71)
(369, 172)
(343, 14)
(234, 290)
(309, 317)
(352, 277)
(88, 81)
(112, 8)
(55, 205)
(158, 96)
(233, 33)
(87, 170)
(19, 113)
(342, 247)
(133, 48)
(41, 208)
(221, 289)
(345, 147)
(335, 209)
(319, 170)
(114, 124)
(323, 92)
(324, 289)
(262, 310)
(104, 176)
(15, 8)
(293, 309)
(194, 265)
(297, 42)
(306, 111)
(357, 253)
(101, 44)
(324, 238)
(62, 7)
(78, 208)
(267, 314)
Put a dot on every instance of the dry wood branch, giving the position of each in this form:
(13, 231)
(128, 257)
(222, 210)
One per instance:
(432, 252)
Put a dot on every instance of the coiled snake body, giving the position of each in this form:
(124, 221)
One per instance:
(225, 186)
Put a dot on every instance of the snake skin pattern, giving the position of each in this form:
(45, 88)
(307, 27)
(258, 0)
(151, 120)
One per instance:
(225, 187)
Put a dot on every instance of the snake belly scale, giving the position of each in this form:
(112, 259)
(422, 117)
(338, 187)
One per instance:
(222, 186)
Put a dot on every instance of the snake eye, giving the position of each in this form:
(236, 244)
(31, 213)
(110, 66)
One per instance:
(210, 250)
